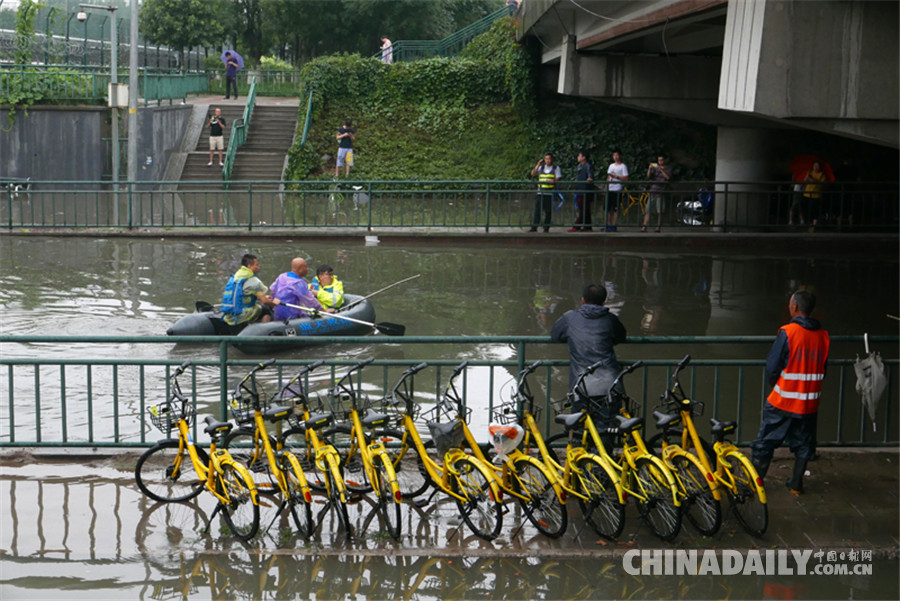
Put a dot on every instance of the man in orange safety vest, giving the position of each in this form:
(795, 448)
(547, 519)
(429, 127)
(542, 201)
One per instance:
(795, 368)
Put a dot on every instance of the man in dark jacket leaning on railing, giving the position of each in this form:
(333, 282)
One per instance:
(591, 333)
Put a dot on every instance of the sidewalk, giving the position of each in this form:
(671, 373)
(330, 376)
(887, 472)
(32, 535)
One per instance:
(216, 99)
(851, 503)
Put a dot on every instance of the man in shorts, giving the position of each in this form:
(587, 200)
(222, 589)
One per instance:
(216, 136)
(660, 174)
(345, 136)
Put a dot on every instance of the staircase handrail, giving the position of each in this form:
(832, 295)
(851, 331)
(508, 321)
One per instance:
(239, 131)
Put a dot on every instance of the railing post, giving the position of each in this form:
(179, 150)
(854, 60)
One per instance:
(130, 200)
(487, 208)
(520, 353)
(250, 207)
(223, 380)
(9, 204)
(369, 224)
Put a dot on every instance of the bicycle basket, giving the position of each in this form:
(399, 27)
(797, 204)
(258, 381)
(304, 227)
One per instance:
(505, 414)
(342, 404)
(164, 416)
(242, 408)
(447, 436)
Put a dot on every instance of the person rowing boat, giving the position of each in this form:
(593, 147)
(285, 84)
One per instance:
(291, 288)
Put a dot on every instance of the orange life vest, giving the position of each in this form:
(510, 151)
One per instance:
(800, 384)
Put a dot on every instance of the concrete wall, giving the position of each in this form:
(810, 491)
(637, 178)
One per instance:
(53, 143)
(64, 143)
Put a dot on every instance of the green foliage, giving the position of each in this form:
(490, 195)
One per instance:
(274, 64)
(23, 89)
(181, 24)
(28, 10)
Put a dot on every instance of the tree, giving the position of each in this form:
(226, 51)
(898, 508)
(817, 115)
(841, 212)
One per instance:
(182, 24)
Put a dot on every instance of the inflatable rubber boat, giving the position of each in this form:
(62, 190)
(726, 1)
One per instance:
(207, 321)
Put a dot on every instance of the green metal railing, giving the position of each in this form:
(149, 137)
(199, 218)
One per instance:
(240, 129)
(104, 401)
(268, 82)
(307, 122)
(482, 205)
(89, 84)
(411, 50)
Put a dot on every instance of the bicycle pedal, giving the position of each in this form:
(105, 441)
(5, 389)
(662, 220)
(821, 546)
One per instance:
(355, 467)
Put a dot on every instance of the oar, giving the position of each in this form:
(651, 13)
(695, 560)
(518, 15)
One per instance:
(359, 300)
(386, 328)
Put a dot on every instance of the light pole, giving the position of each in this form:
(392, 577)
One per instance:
(132, 107)
(113, 94)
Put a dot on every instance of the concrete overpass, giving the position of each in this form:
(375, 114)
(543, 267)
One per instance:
(753, 68)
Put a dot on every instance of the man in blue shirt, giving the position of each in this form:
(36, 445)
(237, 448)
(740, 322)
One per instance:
(231, 68)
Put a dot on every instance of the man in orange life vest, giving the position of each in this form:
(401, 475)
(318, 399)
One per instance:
(795, 368)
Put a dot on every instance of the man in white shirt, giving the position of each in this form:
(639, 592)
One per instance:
(615, 175)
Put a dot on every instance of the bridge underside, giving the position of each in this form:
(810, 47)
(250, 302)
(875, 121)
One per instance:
(824, 65)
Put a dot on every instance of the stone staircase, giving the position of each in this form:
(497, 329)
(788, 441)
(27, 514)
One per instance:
(262, 157)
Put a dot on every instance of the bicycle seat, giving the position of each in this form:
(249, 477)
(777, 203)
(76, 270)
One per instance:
(276, 414)
(317, 421)
(570, 420)
(373, 419)
(721, 427)
(629, 424)
(217, 426)
(664, 420)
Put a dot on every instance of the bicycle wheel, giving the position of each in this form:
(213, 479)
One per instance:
(602, 509)
(543, 508)
(295, 441)
(167, 530)
(388, 507)
(158, 478)
(241, 513)
(481, 510)
(658, 509)
(654, 445)
(412, 477)
(301, 511)
(748, 507)
(244, 447)
(699, 504)
(334, 497)
(352, 468)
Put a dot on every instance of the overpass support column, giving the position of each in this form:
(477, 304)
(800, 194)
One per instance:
(742, 158)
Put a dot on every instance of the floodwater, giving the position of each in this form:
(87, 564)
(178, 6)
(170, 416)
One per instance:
(62, 539)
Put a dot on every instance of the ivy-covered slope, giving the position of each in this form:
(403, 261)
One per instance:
(473, 117)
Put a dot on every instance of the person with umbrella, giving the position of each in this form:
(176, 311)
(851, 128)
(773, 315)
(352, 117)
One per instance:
(232, 64)
(795, 368)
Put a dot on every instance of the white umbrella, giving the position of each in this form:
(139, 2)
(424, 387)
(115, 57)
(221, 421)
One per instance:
(870, 380)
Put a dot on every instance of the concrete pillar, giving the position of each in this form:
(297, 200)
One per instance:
(742, 158)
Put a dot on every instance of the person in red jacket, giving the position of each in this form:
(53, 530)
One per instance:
(795, 368)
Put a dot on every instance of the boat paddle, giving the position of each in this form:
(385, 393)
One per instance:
(356, 302)
(386, 328)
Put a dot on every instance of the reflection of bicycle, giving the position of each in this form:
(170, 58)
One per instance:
(642, 476)
(733, 472)
(471, 483)
(162, 475)
(255, 448)
(634, 198)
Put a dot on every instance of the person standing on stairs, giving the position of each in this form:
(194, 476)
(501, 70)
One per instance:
(216, 126)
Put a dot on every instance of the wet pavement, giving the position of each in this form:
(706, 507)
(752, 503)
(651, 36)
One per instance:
(73, 522)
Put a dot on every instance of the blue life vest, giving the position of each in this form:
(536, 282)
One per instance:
(233, 302)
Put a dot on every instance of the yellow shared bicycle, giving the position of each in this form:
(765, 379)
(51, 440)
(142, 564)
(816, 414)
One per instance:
(175, 469)
(275, 470)
(641, 476)
(733, 471)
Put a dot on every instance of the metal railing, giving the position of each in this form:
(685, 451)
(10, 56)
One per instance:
(89, 84)
(103, 402)
(307, 122)
(239, 131)
(482, 205)
(411, 50)
(268, 82)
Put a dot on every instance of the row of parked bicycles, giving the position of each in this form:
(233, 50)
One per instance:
(293, 450)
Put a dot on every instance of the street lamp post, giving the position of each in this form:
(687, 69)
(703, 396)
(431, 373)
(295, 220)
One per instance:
(113, 88)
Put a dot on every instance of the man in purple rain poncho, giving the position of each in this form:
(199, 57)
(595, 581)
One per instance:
(290, 287)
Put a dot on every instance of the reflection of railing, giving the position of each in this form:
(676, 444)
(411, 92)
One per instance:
(103, 402)
(239, 131)
(411, 50)
(457, 205)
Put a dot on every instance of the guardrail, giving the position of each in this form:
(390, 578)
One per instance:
(89, 84)
(103, 402)
(239, 131)
(268, 82)
(483, 205)
(411, 50)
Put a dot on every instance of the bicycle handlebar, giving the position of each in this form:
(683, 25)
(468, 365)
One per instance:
(459, 369)
(401, 383)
